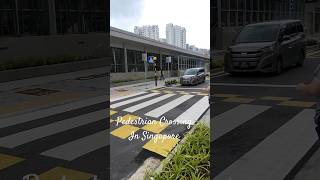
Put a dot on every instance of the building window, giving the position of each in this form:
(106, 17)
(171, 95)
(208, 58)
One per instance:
(27, 17)
(81, 16)
(119, 65)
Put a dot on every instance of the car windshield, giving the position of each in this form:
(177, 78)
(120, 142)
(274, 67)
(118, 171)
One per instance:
(258, 33)
(191, 72)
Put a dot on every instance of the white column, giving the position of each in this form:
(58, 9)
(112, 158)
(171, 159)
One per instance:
(125, 58)
(52, 17)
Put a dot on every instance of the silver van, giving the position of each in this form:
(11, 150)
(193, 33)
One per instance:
(193, 76)
(266, 47)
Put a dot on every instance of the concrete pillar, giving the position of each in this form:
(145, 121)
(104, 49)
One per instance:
(17, 18)
(313, 21)
(125, 58)
(219, 12)
(52, 17)
(114, 60)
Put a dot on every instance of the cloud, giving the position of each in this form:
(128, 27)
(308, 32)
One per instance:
(125, 13)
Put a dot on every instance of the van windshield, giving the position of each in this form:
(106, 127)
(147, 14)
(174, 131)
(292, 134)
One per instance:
(258, 33)
(191, 72)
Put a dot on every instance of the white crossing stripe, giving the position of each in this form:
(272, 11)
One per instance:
(79, 147)
(122, 103)
(275, 156)
(232, 118)
(147, 103)
(167, 107)
(30, 135)
(128, 96)
(191, 115)
(10, 121)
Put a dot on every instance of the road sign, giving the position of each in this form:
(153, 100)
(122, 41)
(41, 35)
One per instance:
(168, 59)
(144, 57)
(150, 59)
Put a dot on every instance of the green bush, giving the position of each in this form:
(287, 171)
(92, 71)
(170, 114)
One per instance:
(192, 159)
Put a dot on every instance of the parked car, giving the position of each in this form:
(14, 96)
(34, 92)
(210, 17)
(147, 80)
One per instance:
(193, 76)
(267, 47)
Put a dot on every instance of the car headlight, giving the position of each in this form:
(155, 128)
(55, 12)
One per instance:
(268, 49)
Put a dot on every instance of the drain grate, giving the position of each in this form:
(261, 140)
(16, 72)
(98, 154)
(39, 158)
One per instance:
(38, 91)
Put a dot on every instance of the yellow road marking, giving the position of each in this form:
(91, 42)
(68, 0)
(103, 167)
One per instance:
(112, 112)
(124, 131)
(239, 100)
(168, 92)
(8, 160)
(226, 95)
(70, 174)
(44, 101)
(155, 126)
(276, 98)
(155, 91)
(304, 104)
(202, 94)
(161, 146)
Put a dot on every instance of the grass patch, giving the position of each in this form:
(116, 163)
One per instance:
(39, 61)
(192, 159)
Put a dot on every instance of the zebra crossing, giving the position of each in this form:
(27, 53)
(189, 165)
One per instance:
(254, 141)
(178, 110)
(55, 140)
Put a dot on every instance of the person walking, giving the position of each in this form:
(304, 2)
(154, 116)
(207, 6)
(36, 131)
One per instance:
(313, 88)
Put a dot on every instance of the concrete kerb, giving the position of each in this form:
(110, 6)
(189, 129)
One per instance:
(137, 174)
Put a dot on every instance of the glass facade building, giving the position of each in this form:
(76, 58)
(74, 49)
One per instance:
(135, 63)
(228, 16)
(44, 17)
(242, 12)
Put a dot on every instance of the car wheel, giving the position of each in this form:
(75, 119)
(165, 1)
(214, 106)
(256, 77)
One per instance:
(301, 60)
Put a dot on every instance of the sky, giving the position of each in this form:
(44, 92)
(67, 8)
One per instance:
(194, 15)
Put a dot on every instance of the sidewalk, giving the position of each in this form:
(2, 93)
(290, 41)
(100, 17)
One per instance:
(133, 88)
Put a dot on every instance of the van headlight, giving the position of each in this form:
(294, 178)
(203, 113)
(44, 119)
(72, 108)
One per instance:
(268, 49)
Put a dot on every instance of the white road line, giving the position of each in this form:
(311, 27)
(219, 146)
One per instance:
(124, 97)
(122, 103)
(30, 135)
(14, 120)
(191, 115)
(147, 103)
(176, 88)
(220, 75)
(167, 107)
(274, 157)
(79, 147)
(232, 118)
(313, 52)
(255, 85)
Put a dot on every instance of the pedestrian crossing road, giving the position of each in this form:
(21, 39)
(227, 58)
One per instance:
(150, 124)
(260, 137)
(68, 140)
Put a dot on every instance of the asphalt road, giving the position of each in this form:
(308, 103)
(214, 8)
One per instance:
(262, 127)
(58, 134)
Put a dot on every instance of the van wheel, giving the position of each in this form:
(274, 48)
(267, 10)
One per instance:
(301, 60)
(279, 67)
